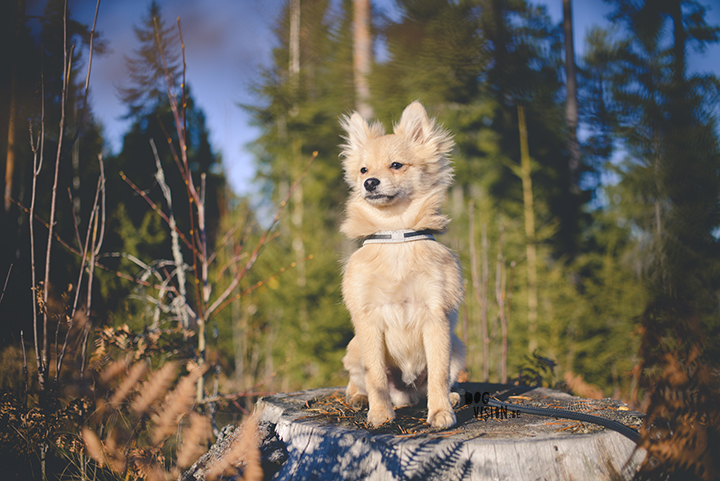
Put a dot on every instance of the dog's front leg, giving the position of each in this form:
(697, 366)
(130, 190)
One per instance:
(436, 339)
(372, 342)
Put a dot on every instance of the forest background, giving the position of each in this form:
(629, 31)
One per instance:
(584, 211)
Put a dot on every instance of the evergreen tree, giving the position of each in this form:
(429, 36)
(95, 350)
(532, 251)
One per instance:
(39, 68)
(526, 69)
(643, 102)
(471, 64)
(298, 113)
(133, 227)
(664, 119)
(158, 53)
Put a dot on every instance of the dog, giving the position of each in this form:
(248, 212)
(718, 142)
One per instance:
(402, 288)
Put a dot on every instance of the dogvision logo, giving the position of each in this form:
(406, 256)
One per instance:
(482, 410)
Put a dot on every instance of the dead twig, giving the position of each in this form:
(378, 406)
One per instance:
(7, 278)
(91, 247)
(177, 254)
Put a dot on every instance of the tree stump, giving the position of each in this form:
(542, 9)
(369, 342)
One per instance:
(316, 435)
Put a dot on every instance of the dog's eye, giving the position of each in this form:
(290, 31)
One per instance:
(363, 170)
(396, 165)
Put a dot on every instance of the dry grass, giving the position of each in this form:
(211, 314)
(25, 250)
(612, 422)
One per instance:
(154, 388)
(681, 432)
(244, 454)
(129, 436)
(580, 388)
(178, 403)
(194, 443)
(408, 421)
(128, 384)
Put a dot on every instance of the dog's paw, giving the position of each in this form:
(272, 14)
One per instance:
(380, 415)
(454, 399)
(358, 401)
(441, 419)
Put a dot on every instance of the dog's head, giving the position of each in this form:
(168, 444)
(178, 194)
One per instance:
(397, 169)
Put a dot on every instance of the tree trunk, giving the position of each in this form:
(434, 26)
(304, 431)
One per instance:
(484, 313)
(296, 156)
(294, 67)
(571, 106)
(500, 290)
(10, 157)
(12, 111)
(680, 39)
(476, 281)
(297, 219)
(525, 170)
(362, 56)
(313, 435)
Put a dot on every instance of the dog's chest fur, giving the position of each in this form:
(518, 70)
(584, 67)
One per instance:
(399, 288)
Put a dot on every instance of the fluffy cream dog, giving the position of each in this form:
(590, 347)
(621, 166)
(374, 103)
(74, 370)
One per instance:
(402, 288)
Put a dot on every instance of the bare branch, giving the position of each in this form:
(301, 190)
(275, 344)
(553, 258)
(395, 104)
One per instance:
(255, 286)
(25, 368)
(67, 64)
(177, 254)
(7, 278)
(97, 213)
(75, 221)
(90, 54)
(228, 236)
(37, 166)
(263, 240)
(59, 239)
(155, 207)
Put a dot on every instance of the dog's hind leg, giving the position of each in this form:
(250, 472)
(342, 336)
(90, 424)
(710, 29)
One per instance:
(356, 393)
(357, 398)
(457, 363)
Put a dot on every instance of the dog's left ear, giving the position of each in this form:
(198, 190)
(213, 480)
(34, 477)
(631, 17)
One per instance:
(414, 124)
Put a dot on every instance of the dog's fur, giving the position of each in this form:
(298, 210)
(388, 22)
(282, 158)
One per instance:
(403, 298)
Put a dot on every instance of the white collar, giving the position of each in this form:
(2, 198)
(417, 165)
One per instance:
(398, 236)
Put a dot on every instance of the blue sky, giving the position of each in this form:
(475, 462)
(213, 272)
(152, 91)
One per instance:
(227, 42)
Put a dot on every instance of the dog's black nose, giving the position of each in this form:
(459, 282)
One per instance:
(371, 183)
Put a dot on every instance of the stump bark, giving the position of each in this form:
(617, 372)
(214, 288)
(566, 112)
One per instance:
(316, 435)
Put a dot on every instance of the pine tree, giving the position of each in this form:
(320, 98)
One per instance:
(41, 70)
(644, 102)
(134, 228)
(663, 117)
(298, 112)
(158, 53)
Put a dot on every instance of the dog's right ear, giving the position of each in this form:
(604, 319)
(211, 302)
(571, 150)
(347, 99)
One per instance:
(358, 133)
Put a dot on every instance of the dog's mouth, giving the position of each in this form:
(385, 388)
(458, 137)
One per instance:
(379, 198)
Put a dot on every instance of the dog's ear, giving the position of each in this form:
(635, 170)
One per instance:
(414, 124)
(358, 132)
(418, 128)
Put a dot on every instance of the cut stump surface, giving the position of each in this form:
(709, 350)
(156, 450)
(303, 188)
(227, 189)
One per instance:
(317, 435)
